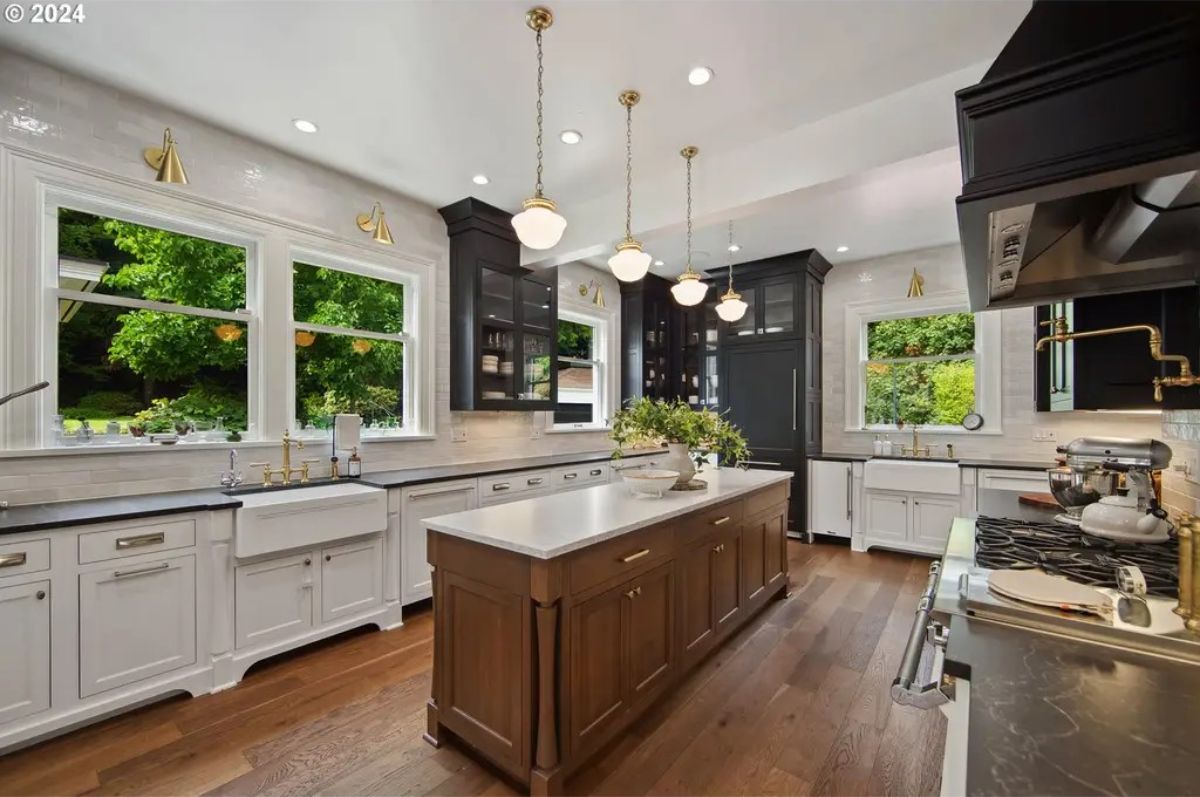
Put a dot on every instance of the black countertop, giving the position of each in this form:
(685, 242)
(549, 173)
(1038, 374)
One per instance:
(997, 464)
(441, 473)
(1056, 716)
(37, 517)
(59, 514)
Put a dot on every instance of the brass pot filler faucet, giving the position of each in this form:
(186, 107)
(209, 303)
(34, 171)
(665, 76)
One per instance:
(1185, 377)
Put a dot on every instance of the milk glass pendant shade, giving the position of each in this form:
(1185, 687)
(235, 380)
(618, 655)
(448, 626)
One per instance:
(731, 308)
(689, 290)
(538, 225)
(630, 263)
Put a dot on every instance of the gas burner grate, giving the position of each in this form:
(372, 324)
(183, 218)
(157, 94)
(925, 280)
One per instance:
(1064, 550)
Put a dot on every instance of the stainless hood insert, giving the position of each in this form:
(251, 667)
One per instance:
(1080, 155)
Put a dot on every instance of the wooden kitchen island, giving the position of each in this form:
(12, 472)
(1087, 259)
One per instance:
(559, 620)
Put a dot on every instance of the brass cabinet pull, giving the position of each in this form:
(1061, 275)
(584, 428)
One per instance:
(633, 557)
(596, 472)
(633, 593)
(569, 476)
(142, 571)
(721, 520)
(501, 486)
(12, 559)
(719, 548)
(142, 539)
(538, 480)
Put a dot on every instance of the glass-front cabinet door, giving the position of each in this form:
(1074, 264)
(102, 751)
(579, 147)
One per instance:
(516, 325)
(777, 301)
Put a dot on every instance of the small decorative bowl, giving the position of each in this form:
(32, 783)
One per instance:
(647, 481)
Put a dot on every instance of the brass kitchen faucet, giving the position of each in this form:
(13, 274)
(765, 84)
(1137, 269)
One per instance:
(286, 470)
(1061, 333)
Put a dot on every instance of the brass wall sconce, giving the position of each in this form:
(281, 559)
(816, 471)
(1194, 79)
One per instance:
(598, 299)
(165, 161)
(374, 222)
(916, 285)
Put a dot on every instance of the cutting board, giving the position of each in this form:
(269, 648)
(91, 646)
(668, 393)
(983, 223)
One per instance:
(1042, 589)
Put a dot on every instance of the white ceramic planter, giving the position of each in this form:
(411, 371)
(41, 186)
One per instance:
(678, 459)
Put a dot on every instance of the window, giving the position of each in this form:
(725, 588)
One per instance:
(152, 332)
(350, 346)
(923, 362)
(581, 372)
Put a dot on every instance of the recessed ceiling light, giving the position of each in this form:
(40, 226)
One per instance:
(304, 126)
(699, 75)
(480, 179)
(570, 136)
(841, 249)
(734, 248)
(659, 263)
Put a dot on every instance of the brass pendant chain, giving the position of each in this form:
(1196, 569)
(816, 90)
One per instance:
(729, 258)
(540, 71)
(629, 172)
(689, 214)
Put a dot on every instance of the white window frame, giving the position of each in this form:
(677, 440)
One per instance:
(411, 426)
(988, 383)
(96, 204)
(602, 370)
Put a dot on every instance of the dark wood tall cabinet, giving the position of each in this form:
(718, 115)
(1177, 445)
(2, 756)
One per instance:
(503, 318)
(663, 345)
(769, 364)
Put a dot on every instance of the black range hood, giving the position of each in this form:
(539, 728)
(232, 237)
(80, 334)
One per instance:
(1081, 153)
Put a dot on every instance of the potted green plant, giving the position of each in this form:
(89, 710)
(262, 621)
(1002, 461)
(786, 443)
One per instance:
(685, 431)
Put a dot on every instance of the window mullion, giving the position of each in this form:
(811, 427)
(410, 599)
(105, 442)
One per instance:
(143, 304)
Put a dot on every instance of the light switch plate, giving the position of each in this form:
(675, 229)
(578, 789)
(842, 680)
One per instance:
(1045, 435)
(458, 434)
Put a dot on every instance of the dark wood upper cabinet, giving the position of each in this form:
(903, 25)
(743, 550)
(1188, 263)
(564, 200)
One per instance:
(1114, 372)
(503, 318)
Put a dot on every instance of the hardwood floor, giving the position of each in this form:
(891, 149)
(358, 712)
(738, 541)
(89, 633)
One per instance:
(796, 703)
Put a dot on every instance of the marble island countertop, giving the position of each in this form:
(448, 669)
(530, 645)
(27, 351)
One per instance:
(553, 525)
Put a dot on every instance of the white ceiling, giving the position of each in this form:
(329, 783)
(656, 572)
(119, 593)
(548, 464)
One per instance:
(420, 96)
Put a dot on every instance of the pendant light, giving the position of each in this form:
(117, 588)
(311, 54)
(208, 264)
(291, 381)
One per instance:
(689, 290)
(731, 308)
(538, 225)
(630, 263)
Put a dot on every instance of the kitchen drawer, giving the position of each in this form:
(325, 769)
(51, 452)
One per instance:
(31, 556)
(589, 473)
(766, 499)
(508, 486)
(1024, 481)
(97, 546)
(619, 557)
(718, 518)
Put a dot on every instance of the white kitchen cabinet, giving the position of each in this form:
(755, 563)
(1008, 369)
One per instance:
(136, 620)
(515, 486)
(830, 497)
(351, 578)
(274, 599)
(916, 522)
(25, 652)
(416, 504)
(576, 477)
(887, 518)
(931, 521)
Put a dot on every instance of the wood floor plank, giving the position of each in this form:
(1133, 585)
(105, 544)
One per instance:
(797, 702)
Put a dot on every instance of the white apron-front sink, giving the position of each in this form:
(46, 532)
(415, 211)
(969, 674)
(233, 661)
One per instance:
(279, 520)
(911, 476)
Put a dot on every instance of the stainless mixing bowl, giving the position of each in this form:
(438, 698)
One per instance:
(1076, 489)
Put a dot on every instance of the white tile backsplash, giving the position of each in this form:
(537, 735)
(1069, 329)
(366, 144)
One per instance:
(70, 117)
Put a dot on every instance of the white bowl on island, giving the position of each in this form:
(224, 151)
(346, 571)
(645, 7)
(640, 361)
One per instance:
(650, 481)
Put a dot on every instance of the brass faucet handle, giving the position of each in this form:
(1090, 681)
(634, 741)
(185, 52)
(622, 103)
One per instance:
(266, 466)
(304, 463)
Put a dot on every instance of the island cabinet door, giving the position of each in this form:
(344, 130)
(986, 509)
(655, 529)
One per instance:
(599, 652)
(727, 580)
(695, 600)
(651, 608)
(763, 552)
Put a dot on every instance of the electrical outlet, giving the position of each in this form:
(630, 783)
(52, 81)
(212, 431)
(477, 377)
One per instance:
(458, 434)
(1045, 435)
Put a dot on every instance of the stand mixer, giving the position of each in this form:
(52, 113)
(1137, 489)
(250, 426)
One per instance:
(1135, 516)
